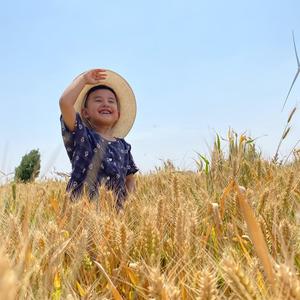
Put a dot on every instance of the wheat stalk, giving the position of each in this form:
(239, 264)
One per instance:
(255, 234)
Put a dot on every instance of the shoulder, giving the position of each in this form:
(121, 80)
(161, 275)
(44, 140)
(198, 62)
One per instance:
(79, 124)
(82, 129)
(127, 146)
(81, 135)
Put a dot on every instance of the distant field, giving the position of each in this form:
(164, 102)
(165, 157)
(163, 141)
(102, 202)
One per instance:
(182, 235)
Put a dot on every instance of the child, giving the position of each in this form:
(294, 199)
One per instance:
(98, 110)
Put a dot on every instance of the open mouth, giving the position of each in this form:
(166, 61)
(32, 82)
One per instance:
(105, 112)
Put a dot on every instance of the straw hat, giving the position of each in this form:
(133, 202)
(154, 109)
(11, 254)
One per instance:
(126, 100)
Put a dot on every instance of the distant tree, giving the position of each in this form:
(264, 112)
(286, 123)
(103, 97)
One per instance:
(29, 167)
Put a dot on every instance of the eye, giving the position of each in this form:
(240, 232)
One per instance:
(112, 100)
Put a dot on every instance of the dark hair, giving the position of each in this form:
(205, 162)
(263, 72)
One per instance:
(99, 87)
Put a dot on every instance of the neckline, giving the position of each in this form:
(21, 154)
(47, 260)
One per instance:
(106, 140)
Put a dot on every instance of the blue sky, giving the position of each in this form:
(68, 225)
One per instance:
(196, 67)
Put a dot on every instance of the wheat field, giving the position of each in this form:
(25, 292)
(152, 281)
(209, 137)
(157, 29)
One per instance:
(228, 231)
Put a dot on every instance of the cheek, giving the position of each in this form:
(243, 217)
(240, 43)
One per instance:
(117, 111)
(116, 115)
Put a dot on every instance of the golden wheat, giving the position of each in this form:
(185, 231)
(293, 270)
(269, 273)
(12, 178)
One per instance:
(182, 235)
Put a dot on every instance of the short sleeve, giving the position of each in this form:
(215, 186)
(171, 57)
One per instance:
(73, 138)
(131, 166)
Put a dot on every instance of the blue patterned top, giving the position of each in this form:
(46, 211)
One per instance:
(96, 161)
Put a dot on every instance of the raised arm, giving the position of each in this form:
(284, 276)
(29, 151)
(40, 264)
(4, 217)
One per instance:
(69, 96)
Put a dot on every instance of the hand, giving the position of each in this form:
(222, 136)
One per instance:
(94, 76)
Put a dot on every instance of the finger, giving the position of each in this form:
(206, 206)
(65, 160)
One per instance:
(101, 76)
(100, 70)
(97, 78)
(101, 73)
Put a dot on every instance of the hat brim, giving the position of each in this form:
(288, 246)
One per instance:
(126, 98)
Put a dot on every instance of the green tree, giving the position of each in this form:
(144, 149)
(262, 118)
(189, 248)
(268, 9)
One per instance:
(29, 167)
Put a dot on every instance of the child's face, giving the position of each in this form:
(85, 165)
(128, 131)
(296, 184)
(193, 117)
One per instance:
(101, 108)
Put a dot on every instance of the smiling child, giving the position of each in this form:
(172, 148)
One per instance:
(97, 111)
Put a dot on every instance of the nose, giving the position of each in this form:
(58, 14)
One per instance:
(105, 103)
